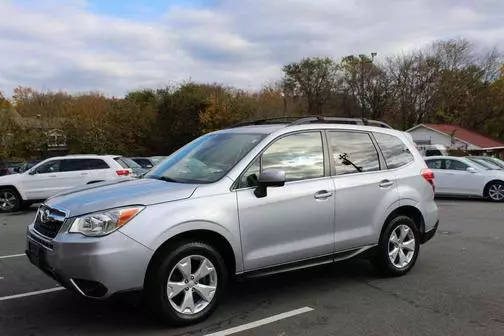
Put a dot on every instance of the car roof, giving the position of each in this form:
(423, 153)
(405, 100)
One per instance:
(285, 128)
(84, 156)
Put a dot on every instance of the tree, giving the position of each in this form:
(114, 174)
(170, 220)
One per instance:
(316, 79)
(367, 84)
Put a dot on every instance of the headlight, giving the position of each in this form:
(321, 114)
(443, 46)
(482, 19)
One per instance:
(102, 223)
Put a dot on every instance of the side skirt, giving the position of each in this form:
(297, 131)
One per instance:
(327, 259)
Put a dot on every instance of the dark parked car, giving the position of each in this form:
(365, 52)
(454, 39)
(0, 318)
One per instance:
(135, 167)
(4, 169)
(144, 162)
(148, 162)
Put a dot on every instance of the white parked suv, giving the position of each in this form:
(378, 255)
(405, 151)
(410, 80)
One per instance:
(56, 175)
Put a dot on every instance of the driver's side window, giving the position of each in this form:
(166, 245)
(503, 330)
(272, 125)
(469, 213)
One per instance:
(49, 167)
(299, 155)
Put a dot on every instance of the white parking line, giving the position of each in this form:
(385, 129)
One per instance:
(262, 322)
(13, 256)
(17, 296)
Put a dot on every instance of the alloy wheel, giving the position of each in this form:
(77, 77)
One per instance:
(401, 246)
(192, 284)
(496, 192)
(7, 200)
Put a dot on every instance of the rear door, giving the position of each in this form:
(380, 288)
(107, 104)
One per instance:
(363, 190)
(77, 172)
(97, 170)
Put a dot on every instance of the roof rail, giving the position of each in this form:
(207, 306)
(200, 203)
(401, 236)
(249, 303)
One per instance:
(339, 120)
(266, 121)
(312, 119)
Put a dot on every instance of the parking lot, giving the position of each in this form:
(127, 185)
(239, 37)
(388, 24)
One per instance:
(456, 287)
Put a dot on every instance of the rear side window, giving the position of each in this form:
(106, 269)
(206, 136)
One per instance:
(353, 152)
(455, 165)
(395, 152)
(434, 164)
(97, 164)
(69, 165)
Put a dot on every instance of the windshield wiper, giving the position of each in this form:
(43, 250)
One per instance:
(167, 179)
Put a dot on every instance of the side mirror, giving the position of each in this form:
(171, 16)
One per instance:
(471, 170)
(32, 172)
(269, 178)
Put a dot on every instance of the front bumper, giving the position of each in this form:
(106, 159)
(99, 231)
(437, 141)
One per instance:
(94, 267)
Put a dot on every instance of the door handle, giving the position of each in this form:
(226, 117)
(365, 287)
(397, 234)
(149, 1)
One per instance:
(386, 183)
(322, 194)
(84, 174)
(53, 175)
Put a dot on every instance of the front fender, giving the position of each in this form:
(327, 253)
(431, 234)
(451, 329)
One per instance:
(158, 223)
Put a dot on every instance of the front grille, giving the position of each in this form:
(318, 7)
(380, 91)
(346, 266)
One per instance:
(49, 221)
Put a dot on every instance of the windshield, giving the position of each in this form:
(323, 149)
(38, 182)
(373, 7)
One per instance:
(487, 165)
(206, 159)
(495, 161)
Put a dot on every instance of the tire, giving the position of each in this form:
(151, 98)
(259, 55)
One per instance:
(403, 260)
(166, 269)
(495, 192)
(10, 200)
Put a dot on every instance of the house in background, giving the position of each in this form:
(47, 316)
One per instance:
(454, 138)
(51, 129)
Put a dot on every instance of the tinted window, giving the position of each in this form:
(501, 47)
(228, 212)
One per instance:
(435, 164)
(395, 152)
(299, 155)
(455, 165)
(49, 167)
(144, 163)
(353, 152)
(73, 165)
(433, 152)
(96, 164)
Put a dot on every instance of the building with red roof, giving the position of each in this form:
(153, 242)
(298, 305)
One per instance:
(453, 137)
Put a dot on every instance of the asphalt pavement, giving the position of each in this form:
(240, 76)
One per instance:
(456, 288)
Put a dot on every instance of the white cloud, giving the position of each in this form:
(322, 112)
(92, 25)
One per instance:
(242, 43)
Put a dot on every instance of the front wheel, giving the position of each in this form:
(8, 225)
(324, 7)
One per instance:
(10, 201)
(398, 248)
(185, 285)
(495, 192)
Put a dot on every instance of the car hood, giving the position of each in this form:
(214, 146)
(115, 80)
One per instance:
(10, 179)
(108, 195)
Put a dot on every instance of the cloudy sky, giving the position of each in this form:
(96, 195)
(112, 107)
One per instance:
(114, 46)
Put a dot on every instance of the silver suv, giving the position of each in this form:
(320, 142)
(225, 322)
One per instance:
(249, 200)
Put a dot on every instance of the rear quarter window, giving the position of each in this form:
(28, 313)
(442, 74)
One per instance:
(395, 152)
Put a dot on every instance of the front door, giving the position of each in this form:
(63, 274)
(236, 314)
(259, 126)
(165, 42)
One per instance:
(293, 222)
(45, 181)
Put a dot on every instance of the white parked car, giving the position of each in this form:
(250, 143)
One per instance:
(56, 175)
(463, 176)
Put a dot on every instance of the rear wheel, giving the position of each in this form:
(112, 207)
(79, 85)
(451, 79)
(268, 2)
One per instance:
(398, 248)
(495, 192)
(10, 200)
(185, 285)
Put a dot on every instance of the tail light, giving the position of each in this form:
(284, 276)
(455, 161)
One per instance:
(428, 175)
(123, 172)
